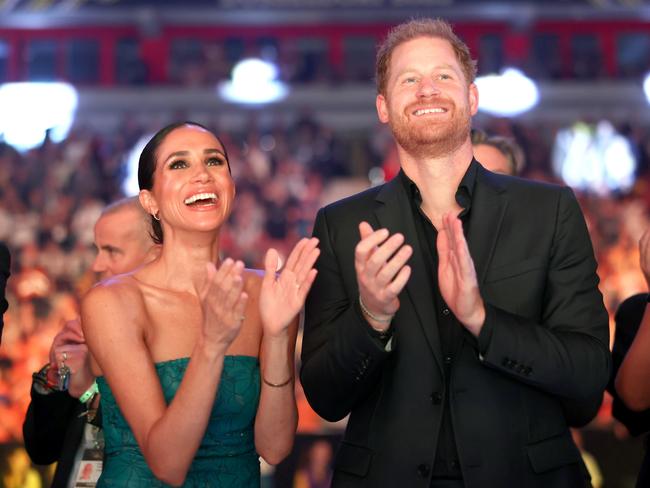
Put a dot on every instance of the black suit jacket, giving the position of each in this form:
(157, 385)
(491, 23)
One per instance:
(544, 344)
(5, 265)
(53, 431)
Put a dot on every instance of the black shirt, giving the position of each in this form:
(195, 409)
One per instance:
(446, 464)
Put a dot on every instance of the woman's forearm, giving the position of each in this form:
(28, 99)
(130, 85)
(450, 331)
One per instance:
(633, 378)
(277, 416)
(174, 439)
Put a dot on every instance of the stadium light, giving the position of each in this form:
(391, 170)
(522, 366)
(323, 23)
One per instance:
(30, 109)
(253, 82)
(646, 87)
(510, 93)
(594, 157)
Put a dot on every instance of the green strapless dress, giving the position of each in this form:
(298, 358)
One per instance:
(226, 457)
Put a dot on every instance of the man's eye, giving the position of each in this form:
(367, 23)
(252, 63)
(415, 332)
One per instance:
(179, 163)
(444, 76)
(410, 80)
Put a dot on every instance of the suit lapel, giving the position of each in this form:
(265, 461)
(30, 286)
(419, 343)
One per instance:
(394, 213)
(489, 204)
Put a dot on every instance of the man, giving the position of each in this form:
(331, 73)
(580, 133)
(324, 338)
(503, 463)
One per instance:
(55, 421)
(5, 264)
(453, 367)
(497, 154)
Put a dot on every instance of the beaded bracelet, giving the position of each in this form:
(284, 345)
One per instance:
(374, 317)
(89, 393)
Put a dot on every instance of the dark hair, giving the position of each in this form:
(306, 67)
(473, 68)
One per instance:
(416, 28)
(147, 165)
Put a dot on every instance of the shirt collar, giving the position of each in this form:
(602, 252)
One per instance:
(464, 191)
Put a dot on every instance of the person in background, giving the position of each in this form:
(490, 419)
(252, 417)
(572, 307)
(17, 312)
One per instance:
(54, 425)
(631, 360)
(16, 470)
(455, 309)
(315, 469)
(497, 154)
(193, 353)
(5, 266)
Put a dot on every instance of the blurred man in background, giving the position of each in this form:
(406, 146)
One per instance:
(497, 154)
(55, 427)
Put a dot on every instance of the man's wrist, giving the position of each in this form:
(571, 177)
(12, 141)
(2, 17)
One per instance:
(379, 323)
(476, 322)
(376, 331)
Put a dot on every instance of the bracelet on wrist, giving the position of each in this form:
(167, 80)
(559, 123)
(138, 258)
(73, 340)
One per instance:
(277, 385)
(384, 320)
(90, 393)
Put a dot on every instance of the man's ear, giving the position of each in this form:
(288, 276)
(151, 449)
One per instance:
(382, 108)
(148, 202)
(473, 99)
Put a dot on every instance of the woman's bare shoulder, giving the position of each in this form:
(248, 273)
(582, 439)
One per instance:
(123, 287)
(119, 296)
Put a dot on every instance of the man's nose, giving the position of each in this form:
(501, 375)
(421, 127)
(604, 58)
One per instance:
(99, 264)
(428, 88)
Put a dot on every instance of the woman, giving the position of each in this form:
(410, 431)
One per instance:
(632, 383)
(180, 345)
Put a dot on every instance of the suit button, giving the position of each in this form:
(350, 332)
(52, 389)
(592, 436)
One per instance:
(447, 359)
(424, 470)
(509, 363)
(436, 398)
(445, 311)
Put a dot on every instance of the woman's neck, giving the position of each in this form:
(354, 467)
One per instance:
(182, 262)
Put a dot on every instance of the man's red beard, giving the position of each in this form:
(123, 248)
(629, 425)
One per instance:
(434, 140)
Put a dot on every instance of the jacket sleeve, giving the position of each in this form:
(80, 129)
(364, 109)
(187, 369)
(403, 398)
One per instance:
(567, 353)
(46, 424)
(341, 357)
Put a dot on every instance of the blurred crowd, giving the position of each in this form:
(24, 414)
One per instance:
(51, 196)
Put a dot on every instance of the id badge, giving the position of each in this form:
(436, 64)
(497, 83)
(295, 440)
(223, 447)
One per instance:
(90, 469)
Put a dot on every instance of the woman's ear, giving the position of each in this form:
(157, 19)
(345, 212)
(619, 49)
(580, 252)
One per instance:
(148, 202)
